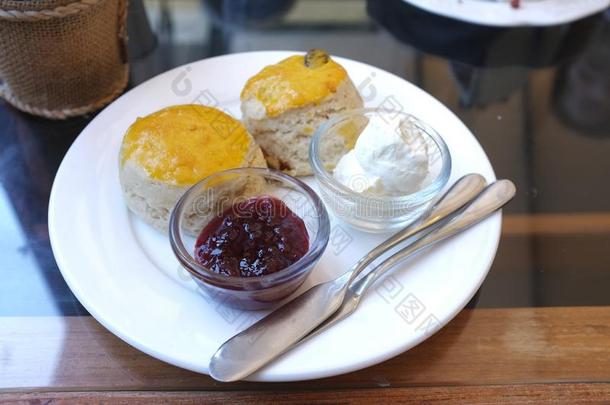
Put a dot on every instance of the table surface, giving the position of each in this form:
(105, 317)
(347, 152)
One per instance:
(537, 99)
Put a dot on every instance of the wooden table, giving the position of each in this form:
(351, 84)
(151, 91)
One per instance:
(482, 356)
(538, 330)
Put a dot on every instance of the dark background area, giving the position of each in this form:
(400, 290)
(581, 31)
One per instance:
(537, 99)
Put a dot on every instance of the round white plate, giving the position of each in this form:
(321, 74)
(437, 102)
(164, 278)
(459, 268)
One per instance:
(126, 276)
(500, 13)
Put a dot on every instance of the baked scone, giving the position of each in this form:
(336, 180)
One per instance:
(166, 152)
(285, 103)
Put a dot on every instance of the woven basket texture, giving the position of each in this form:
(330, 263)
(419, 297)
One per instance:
(61, 58)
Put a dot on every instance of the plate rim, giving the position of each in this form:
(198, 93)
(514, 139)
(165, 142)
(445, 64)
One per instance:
(460, 11)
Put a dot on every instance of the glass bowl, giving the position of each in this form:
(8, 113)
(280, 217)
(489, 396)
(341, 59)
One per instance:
(367, 211)
(210, 198)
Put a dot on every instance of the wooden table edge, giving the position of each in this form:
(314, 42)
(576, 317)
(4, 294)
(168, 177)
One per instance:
(474, 394)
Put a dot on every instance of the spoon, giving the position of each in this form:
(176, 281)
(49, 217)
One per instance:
(271, 336)
(490, 200)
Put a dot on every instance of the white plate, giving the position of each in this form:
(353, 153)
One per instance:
(500, 13)
(126, 276)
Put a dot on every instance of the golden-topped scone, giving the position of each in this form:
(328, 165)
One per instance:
(284, 104)
(166, 152)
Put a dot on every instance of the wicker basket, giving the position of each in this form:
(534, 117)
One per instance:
(61, 58)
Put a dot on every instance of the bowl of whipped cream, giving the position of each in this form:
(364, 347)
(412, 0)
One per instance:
(379, 169)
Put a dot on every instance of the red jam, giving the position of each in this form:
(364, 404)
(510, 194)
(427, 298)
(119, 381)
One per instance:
(255, 237)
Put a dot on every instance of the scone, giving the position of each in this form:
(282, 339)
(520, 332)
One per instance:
(166, 152)
(285, 103)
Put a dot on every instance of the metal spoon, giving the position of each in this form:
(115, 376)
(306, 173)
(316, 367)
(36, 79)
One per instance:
(271, 336)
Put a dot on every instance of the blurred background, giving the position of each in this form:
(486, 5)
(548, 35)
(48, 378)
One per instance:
(536, 97)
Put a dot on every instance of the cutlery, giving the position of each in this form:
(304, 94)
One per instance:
(490, 200)
(271, 336)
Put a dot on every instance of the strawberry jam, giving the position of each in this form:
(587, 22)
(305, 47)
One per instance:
(253, 238)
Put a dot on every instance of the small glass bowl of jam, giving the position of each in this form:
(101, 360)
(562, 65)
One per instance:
(249, 237)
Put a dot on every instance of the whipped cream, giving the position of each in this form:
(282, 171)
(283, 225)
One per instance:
(387, 160)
